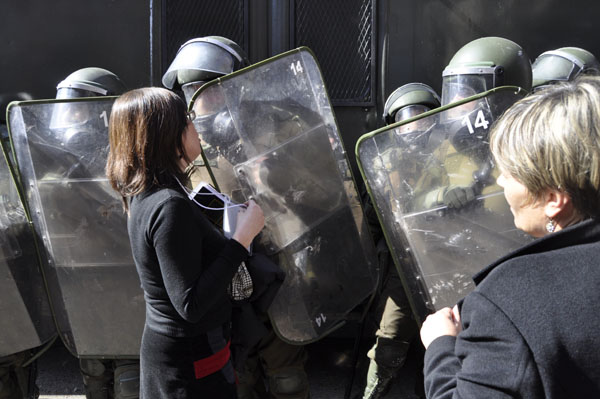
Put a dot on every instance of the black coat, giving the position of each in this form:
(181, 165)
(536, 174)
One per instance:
(531, 328)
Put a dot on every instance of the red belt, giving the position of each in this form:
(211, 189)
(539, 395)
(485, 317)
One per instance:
(213, 363)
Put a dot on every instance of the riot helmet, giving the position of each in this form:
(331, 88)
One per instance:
(90, 82)
(484, 64)
(408, 101)
(85, 82)
(197, 62)
(76, 124)
(203, 59)
(563, 64)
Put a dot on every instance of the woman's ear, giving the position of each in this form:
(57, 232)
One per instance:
(557, 204)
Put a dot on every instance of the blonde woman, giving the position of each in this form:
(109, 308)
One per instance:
(530, 328)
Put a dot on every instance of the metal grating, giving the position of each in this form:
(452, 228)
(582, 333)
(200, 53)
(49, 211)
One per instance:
(187, 19)
(341, 34)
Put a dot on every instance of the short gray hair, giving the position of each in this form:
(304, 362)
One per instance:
(551, 140)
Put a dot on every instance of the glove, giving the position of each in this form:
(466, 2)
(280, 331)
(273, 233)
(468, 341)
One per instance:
(458, 196)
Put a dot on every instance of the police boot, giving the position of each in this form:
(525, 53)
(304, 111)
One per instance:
(126, 380)
(378, 381)
(96, 379)
(390, 356)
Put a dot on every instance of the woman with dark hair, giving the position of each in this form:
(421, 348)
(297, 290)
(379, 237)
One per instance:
(530, 328)
(184, 262)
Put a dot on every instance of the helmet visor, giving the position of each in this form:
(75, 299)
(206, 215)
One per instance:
(552, 67)
(459, 87)
(410, 112)
(70, 92)
(70, 114)
(190, 88)
(210, 101)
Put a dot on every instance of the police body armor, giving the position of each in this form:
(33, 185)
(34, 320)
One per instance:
(439, 244)
(268, 132)
(91, 277)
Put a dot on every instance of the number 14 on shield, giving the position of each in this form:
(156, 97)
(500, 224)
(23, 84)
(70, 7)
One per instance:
(296, 67)
(480, 121)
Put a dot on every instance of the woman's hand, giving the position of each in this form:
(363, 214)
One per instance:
(445, 321)
(250, 221)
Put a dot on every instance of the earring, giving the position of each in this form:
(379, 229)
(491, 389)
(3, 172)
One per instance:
(550, 226)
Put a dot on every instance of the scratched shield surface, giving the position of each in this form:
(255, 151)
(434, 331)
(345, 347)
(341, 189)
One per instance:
(268, 132)
(60, 147)
(411, 167)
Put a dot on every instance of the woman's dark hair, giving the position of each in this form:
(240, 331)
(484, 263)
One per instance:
(145, 135)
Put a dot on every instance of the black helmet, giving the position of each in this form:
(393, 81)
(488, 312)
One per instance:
(563, 64)
(408, 101)
(484, 64)
(203, 59)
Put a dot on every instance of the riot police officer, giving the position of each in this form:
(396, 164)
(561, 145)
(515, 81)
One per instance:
(397, 328)
(563, 64)
(75, 127)
(480, 65)
(197, 62)
(271, 361)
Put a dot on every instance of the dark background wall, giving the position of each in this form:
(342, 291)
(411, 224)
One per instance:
(423, 35)
(366, 48)
(41, 42)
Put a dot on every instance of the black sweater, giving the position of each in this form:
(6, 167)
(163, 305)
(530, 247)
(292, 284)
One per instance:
(530, 328)
(184, 262)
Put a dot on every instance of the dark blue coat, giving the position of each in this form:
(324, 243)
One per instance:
(531, 328)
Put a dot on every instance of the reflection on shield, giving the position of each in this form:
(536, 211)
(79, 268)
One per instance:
(25, 316)
(91, 276)
(275, 139)
(438, 244)
(297, 192)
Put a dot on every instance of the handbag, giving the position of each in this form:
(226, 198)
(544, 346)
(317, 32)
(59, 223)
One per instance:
(257, 280)
(241, 287)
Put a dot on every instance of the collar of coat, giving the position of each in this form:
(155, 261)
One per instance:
(584, 232)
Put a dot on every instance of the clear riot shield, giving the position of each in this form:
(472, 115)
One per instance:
(268, 132)
(25, 315)
(61, 148)
(415, 170)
